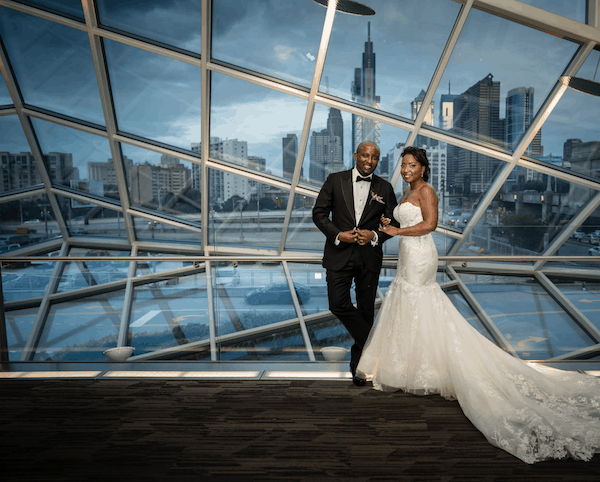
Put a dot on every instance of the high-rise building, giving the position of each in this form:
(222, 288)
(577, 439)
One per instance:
(19, 170)
(476, 115)
(335, 126)
(325, 155)
(223, 185)
(519, 114)
(148, 181)
(415, 107)
(290, 152)
(364, 92)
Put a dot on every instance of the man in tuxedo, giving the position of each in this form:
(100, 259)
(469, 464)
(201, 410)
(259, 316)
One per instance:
(356, 200)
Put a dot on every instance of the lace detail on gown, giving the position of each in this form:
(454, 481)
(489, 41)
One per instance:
(421, 344)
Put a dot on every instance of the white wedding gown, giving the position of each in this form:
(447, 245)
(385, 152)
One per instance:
(421, 344)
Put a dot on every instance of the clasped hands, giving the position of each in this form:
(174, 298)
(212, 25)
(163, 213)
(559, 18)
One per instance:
(359, 236)
(386, 228)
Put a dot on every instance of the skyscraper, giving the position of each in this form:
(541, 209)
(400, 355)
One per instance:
(363, 92)
(415, 107)
(290, 152)
(327, 148)
(519, 114)
(476, 115)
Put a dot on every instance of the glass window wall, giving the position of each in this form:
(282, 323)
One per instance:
(174, 24)
(62, 77)
(155, 97)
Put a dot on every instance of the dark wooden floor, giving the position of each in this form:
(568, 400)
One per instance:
(124, 430)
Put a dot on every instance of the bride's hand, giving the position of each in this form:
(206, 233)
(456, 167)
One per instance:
(385, 221)
(389, 230)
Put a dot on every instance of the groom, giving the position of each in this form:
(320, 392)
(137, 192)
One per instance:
(356, 200)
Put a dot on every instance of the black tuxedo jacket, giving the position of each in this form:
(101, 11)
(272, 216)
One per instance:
(337, 198)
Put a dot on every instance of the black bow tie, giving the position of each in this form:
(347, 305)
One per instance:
(359, 178)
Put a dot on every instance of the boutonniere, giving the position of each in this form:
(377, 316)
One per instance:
(376, 197)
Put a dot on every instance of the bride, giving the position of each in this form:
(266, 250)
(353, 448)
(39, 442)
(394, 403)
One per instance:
(421, 344)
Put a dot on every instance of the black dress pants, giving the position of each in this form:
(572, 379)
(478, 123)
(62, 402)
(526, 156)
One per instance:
(358, 321)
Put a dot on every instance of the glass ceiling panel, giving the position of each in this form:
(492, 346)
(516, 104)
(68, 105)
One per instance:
(53, 65)
(18, 328)
(493, 87)
(5, 98)
(155, 97)
(71, 7)
(528, 213)
(280, 39)
(169, 313)
(244, 212)
(572, 129)
(573, 9)
(163, 183)
(172, 23)
(533, 323)
(250, 125)
(386, 61)
(148, 230)
(77, 159)
(81, 330)
(17, 165)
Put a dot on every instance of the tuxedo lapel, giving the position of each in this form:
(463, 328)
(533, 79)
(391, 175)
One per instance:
(348, 193)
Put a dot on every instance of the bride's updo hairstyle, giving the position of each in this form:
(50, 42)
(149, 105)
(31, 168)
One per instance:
(421, 156)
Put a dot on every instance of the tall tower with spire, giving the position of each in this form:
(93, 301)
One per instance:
(364, 93)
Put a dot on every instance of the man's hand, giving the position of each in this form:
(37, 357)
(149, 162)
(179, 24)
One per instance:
(349, 236)
(364, 236)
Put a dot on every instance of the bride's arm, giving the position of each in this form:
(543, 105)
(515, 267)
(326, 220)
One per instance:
(429, 208)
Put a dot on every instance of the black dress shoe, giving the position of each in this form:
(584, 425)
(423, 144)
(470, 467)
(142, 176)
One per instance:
(358, 381)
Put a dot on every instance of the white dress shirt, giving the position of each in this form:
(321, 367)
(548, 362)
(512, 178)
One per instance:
(360, 190)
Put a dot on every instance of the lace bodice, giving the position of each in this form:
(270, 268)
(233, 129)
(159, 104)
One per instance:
(407, 214)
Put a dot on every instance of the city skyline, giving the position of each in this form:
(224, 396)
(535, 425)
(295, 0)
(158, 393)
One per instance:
(247, 109)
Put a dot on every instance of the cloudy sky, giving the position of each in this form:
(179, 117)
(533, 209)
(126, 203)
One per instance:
(159, 98)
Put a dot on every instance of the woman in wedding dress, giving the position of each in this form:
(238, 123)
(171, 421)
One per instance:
(421, 344)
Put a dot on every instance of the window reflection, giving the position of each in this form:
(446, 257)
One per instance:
(172, 23)
(70, 7)
(280, 39)
(530, 210)
(25, 222)
(17, 164)
(81, 330)
(573, 128)
(575, 9)
(533, 323)
(254, 126)
(384, 61)
(5, 98)
(163, 183)
(53, 65)
(155, 97)
(244, 212)
(18, 328)
(492, 87)
(151, 230)
(169, 313)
